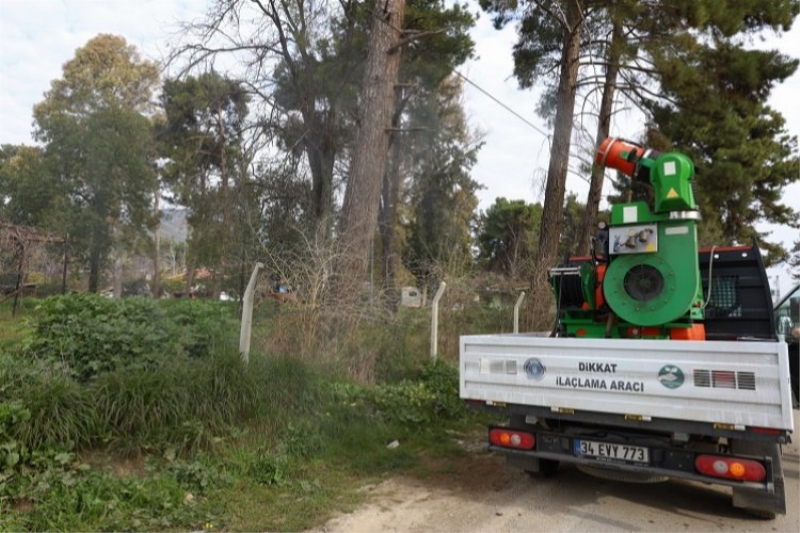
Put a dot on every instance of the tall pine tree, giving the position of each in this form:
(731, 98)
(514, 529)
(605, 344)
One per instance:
(743, 155)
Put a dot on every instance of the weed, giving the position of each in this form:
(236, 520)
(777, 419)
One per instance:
(272, 445)
(198, 477)
(62, 411)
(98, 501)
(303, 439)
(269, 469)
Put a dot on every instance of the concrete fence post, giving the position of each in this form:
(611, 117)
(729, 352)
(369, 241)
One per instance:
(247, 315)
(516, 311)
(435, 320)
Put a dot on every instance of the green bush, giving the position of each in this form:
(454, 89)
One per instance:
(90, 334)
(404, 345)
(197, 477)
(430, 401)
(184, 406)
(63, 412)
(269, 469)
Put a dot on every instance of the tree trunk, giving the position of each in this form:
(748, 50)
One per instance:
(95, 257)
(361, 200)
(119, 259)
(603, 128)
(388, 217)
(538, 307)
(65, 265)
(321, 146)
(155, 287)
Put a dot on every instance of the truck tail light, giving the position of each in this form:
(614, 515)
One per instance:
(766, 431)
(511, 438)
(730, 468)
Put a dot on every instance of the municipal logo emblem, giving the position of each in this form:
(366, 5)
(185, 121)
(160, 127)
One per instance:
(534, 369)
(671, 376)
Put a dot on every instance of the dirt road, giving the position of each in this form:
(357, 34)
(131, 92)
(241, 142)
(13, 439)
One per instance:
(480, 494)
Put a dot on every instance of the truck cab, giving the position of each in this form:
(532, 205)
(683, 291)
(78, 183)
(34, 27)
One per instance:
(787, 322)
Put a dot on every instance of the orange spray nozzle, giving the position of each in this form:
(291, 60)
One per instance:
(618, 154)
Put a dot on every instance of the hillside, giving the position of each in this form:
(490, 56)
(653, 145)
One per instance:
(173, 224)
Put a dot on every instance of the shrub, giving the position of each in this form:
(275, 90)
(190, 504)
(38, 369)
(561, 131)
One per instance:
(90, 334)
(184, 406)
(63, 413)
(410, 403)
(200, 327)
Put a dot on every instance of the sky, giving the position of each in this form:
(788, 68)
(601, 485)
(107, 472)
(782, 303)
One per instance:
(39, 36)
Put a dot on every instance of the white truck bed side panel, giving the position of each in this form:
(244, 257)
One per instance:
(735, 383)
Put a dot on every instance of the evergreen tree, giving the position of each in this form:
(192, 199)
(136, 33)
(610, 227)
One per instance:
(25, 186)
(441, 192)
(507, 236)
(98, 147)
(202, 138)
(362, 196)
(743, 156)
(794, 261)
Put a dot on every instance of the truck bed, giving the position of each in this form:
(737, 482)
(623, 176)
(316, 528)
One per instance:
(730, 383)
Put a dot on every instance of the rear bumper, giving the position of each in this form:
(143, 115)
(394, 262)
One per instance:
(629, 423)
(672, 462)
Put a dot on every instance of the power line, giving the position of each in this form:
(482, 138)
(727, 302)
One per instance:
(523, 119)
(481, 89)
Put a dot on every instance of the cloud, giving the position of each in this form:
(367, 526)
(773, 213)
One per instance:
(39, 36)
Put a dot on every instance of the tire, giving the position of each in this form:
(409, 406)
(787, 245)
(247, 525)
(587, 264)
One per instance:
(547, 468)
(761, 514)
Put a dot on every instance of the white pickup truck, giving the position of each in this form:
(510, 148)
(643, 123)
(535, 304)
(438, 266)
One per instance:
(715, 411)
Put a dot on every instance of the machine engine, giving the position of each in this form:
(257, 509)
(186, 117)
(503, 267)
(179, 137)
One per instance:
(645, 279)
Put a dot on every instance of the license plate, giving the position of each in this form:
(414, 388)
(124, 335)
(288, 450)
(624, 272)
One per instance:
(608, 451)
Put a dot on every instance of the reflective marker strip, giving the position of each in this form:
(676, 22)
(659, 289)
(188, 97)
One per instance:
(630, 214)
(678, 230)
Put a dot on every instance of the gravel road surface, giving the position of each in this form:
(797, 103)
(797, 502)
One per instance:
(480, 494)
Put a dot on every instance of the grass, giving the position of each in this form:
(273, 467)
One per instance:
(314, 493)
(14, 327)
(193, 442)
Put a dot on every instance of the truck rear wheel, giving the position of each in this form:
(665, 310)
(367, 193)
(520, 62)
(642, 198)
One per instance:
(547, 468)
(759, 503)
(534, 467)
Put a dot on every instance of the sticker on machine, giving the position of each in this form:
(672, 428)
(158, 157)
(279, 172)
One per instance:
(634, 239)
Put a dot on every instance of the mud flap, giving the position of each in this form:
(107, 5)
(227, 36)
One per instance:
(760, 503)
